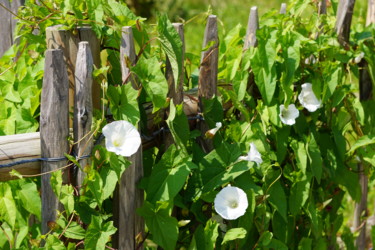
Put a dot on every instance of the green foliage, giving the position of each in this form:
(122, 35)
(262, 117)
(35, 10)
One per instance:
(295, 196)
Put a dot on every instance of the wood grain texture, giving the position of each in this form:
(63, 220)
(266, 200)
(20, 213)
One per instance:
(83, 108)
(207, 85)
(59, 38)
(54, 128)
(127, 55)
(19, 147)
(128, 197)
(209, 60)
(252, 27)
(365, 93)
(344, 20)
(86, 34)
(8, 23)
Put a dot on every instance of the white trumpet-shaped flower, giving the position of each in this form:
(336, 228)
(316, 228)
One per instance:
(308, 99)
(288, 115)
(211, 133)
(253, 155)
(231, 203)
(122, 138)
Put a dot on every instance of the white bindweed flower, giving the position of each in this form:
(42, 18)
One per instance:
(231, 203)
(122, 138)
(359, 58)
(288, 115)
(308, 99)
(211, 133)
(253, 155)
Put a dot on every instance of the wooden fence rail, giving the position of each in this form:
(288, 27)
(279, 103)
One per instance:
(68, 83)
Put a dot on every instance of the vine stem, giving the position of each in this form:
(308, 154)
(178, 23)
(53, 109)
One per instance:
(70, 221)
(11, 12)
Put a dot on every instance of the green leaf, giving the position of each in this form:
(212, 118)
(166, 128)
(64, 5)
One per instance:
(162, 226)
(212, 111)
(316, 162)
(263, 63)
(123, 102)
(95, 185)
(153, 80)
(298, 196)
(179, 126)
(169, 175)
(98, 232)
(110, 179)
(278, 199)
(30, 198)
(291, 63)
(305, 243)
(172, 45)
(331, 79)
(301, 154)
(361, 142)
(63, 192)
(277, 244)
(205, 238)
(233, 234)
(8, 209)
(53, 242)
(220, 166)
(265, 239)
(75, 231)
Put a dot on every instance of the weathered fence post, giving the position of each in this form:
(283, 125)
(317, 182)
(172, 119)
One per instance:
(82, 120)
(365, 93)
(252, 27)
(58, 38)
(207, 86)
(343, 21)
(128, 198)
(8, 23)
(54, 128)
(283, 8)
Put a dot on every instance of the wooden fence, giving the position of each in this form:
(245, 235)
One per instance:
(68, 83)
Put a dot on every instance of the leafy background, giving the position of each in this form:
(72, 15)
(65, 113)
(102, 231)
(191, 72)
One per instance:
(300, 197)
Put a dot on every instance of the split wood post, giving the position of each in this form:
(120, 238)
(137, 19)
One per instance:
(59, 38)
(86, 34)
(54, 128)
(8, 21)
(252, 27)
(128, 197)
(343, 21)
(207, 86)
(83, 110)
(283, 8)
(365, 93)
